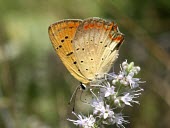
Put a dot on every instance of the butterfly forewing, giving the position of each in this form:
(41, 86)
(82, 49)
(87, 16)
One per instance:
(61, 35)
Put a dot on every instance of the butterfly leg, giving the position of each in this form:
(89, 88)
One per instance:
(108, 76)
(105, 76)
(93, 93)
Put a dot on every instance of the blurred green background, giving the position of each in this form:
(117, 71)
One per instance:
(35, 87)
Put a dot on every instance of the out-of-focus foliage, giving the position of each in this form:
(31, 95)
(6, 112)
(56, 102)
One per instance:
(35, 87)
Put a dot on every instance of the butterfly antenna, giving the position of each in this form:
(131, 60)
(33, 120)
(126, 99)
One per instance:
(74, 95)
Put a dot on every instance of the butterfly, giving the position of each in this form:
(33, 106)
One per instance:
(88, 48)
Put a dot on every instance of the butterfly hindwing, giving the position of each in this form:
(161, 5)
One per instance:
(96, 45)
(85, 44)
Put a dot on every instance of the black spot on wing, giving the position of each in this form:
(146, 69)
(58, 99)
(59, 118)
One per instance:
(69, 53)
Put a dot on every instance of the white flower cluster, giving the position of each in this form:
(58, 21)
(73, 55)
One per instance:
(126, 75)
(83, 121)
(115, 92)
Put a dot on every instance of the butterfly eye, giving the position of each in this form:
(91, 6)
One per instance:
(83, 86)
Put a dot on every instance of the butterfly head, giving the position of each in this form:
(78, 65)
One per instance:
(83, 86)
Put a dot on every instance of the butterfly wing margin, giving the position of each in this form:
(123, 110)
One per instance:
(110, 50)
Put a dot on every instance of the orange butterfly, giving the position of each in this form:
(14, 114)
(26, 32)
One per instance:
(87, 48)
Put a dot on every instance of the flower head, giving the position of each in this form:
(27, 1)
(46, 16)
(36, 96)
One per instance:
(107, 90)
(119, 120)
(101, 109)
(126, 75)
(128, 98)
(115, 91)
(83, 121)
